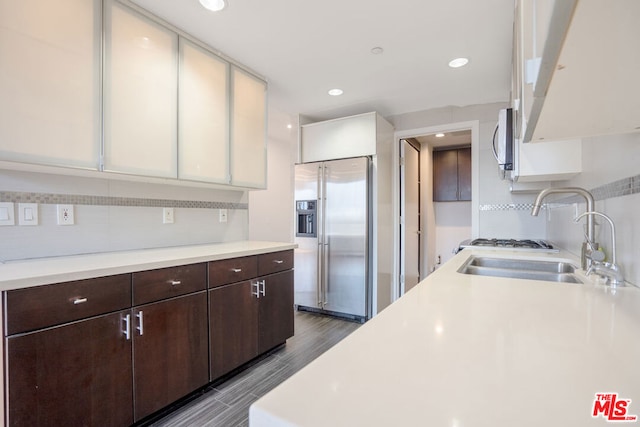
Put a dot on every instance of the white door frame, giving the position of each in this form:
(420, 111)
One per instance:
(474, 126)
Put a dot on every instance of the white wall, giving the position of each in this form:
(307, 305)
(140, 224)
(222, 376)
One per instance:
(605, 159)
(111, 227)
(271, 211)
(452, 225)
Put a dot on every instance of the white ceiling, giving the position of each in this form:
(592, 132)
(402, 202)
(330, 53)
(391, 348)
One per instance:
(304, 48)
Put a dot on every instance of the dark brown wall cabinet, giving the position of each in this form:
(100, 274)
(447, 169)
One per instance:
(249, 317)
(452, 175)
(110, 351)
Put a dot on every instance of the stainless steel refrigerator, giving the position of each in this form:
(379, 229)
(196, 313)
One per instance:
(332, 229)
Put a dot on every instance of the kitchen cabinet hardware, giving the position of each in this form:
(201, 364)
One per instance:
(236, 270)
(257, 286)
(79, 301)
(174, 282)
(140, 326)
(263, 291)
(127, 327)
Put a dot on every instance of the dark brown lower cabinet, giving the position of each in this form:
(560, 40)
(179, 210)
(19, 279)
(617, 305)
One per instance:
(170, 351)
(233, 327)
(249, 318)
(275, 314)
(79, 355)
(78, 374)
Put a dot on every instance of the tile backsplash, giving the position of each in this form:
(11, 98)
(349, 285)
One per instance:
(115, 215)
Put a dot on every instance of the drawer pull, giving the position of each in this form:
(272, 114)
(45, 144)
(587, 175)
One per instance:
(79, 301)
(174, 282)
(278, 261)
(236, 270)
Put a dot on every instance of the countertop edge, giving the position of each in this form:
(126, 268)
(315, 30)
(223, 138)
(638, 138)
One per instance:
(43, 271)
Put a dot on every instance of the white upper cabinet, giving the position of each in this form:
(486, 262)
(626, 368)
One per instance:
(203, 115)
(248, 130)
(101, 85)
(49, 82)
(140, 94)
(584, 59)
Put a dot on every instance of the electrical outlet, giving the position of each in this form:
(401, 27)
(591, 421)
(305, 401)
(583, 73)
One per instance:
(167, 215)
(65, 215)
(223, 215)
(28, 213)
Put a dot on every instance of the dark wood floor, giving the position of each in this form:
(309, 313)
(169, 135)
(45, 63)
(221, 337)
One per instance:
(227, 404)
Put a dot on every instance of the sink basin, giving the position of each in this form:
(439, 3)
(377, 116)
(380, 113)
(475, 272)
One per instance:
(552, 271)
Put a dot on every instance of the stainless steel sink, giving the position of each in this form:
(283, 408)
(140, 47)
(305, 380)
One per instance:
(552, 271)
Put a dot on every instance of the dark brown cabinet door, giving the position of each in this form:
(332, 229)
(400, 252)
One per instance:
(464, 174)
(233, 327)
(170, 351)
(452, 175)
(78, 374)
(275, 315)
(445, 176)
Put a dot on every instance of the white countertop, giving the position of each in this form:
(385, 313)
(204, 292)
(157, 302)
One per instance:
(42, 271)
(461, 350)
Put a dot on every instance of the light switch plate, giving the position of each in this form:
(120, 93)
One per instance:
(28, 213)
(7, 214)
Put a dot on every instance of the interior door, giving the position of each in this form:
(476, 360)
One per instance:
(410, 216)
(345, 236)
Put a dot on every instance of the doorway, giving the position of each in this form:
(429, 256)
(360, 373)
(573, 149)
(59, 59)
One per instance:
(441, 225)
(410, 232)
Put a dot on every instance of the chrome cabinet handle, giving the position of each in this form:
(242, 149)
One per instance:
(278, 261)
(79, 301)
(175, 282)
(236, 270)
(140, 326)
(257, 286)
(263, 291)
(127, 327)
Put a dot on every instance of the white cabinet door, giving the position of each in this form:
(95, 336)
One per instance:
(248, 130)
(140, 92)
(49, 82)
(203, 115)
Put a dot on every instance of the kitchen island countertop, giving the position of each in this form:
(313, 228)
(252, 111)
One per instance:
(463, 350)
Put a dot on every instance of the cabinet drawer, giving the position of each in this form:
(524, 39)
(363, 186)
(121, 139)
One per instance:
(274, 262)
(232, 270)
(155, 285)
(43, 306)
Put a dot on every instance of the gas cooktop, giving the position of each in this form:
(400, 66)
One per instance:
(525, 244)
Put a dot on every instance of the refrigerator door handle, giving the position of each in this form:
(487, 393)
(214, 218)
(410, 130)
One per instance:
(325, 239)
(320, 230)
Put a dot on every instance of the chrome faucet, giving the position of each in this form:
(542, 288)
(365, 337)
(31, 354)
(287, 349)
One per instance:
(609, 270)
(590, 245)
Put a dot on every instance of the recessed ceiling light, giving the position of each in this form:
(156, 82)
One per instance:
(458, 62)
(439, 135)
(377, 50)
(214, 5)
(336, 92)
(289, 126)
